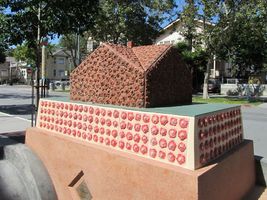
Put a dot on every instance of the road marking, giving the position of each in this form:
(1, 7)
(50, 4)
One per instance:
(15, 117)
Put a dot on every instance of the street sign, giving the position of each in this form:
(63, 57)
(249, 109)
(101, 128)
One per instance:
(29, 71)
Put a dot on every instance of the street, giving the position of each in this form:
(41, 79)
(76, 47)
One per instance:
(15, 115)
(16, 108)
(255, 128)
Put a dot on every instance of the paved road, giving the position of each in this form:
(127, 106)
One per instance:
(16, 108)
(255, 128)
(15, 113)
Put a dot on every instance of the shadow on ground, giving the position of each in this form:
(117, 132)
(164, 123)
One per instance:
(24, 109)
(14, 96)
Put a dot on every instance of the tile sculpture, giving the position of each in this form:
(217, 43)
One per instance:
(186, 141)
(144, 76)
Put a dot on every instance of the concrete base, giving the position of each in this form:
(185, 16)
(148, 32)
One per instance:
(110, 174)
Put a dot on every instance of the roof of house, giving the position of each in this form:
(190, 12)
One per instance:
(179, 20)
(142, 57)
(61, 52)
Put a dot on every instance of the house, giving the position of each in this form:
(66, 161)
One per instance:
(172, 34)
(143, 76)
(58, 65)
(9, 71)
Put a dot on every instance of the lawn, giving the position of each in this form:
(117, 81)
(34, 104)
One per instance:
(227, 100)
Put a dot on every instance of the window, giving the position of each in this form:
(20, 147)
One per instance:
(60, 60)
(61, 73)
(55, 73)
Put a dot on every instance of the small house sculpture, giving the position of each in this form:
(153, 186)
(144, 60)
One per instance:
(143, 76)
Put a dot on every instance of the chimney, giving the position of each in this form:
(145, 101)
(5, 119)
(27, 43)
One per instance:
(130, 44)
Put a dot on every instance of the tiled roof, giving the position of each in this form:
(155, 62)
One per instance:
(148, 55)
(125, 53)
(142, 57)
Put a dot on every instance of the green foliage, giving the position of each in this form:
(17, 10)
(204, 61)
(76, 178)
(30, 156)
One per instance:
(25, 54)
(188, 18)
(56, 17)
(3, 36)
(240, 35)
(196, 59)
(130, 20)
(69, 42)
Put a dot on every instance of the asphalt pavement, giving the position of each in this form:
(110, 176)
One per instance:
(255, 128)
(16, 107)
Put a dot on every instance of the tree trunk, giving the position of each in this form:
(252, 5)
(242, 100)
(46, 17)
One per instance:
(206, 81)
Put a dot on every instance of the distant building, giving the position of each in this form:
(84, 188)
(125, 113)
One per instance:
(172, 34)
(58, 65)
(10, 71)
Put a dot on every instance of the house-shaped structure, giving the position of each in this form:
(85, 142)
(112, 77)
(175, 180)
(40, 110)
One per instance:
(143, 76)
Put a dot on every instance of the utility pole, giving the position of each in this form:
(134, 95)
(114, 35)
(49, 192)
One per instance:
(38, 63)
(43, 70)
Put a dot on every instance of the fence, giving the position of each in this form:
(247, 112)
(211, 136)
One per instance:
(244, 89)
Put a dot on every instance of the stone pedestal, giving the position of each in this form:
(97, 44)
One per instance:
(81, 169)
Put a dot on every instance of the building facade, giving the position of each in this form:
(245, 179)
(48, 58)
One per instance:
(10, 71)
(58, 65)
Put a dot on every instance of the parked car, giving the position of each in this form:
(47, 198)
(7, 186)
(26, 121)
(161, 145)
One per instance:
(58, 83)
(214, 86)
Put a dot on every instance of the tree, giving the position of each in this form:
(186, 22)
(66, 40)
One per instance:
(209, 11)
(3, 35)
(241, 35)
(25, 54)
(138, 21)
(69, 42)
(188, 18)
(200, 42)
(196, 62)
(56, 17)
(33, 20)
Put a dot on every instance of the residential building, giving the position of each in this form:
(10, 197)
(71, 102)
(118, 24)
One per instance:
(10, 71)
(172, 34)
(58, 65)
